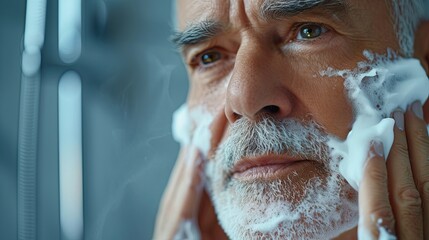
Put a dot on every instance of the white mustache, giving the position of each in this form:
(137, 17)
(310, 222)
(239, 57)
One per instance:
(247, 138)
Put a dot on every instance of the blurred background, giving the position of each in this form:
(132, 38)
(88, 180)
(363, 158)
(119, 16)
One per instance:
(132, 80)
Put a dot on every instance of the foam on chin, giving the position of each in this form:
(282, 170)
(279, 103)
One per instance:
(376, 89)
(261, 211)
(314, 203)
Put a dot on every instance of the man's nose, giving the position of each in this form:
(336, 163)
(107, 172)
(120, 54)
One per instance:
(257, 85)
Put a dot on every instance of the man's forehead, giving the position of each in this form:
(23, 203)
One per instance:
(190, 12)
(194, 11)
(202, 20)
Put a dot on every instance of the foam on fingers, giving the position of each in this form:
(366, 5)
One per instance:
(376, 88)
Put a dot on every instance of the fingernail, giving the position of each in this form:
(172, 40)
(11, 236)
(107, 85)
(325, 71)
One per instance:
(378, 148)
(398, 115)
(417, 109)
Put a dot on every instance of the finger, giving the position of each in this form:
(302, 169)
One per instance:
(374, 208)
(418, 144)
(403, 193)
(190, 187)
(182, 195)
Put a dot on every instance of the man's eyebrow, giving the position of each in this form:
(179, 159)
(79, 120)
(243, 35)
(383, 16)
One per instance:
(277, 9)
(197, 33)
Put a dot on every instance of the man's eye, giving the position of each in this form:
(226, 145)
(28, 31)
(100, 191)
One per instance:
(210, 57)
(310, 31)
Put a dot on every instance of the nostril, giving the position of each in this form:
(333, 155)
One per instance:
(272, 109)
(236, 116)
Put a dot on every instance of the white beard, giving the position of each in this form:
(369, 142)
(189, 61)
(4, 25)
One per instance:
(319, 206)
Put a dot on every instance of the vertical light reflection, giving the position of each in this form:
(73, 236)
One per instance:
(35, 15)
(69, 30)
(70, 155)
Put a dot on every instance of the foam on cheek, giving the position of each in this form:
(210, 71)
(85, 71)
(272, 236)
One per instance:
(182, 127)
(375, 90)
(192, 127)
(351, 168)
(201, 137)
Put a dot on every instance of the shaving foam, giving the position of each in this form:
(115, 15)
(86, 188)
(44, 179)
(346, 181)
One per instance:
(182, 127)
(376, 89)
(192, 127)
(383, 233)
(188, 230)
(319, 206)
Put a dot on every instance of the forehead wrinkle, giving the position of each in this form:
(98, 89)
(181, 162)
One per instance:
(275, 9)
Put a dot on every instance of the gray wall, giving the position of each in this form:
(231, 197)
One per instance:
(132, 80)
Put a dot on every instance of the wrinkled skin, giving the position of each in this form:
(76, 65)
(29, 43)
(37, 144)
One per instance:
(266, 62)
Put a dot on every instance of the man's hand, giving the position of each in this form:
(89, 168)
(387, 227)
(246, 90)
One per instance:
(186, 211)
(394, 197)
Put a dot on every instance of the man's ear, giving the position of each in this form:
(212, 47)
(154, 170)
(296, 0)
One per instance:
(421, 52)
(421, 44)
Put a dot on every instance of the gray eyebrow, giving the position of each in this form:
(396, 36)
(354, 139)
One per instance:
(277, 9)
(271, 9)
(197, 33)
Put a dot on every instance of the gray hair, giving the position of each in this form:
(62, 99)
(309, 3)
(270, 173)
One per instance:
(407, 14)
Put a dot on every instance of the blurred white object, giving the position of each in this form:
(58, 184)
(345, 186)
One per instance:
(70, 155)
(31, 60)
(69, 30)
(35, 17)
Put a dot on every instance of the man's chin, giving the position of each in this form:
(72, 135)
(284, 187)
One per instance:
(285, 204)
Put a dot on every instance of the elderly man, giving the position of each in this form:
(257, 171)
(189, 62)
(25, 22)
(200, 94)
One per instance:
(265, 104)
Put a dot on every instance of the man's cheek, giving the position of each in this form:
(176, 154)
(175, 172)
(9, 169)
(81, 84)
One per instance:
(219, 130)
(376, 88)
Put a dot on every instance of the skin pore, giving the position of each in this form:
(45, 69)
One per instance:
(245, 62)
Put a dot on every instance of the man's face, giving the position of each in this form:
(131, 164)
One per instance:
(256, 66)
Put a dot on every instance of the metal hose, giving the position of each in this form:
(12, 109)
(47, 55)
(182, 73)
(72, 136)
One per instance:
(28, 119)
(27, 157)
